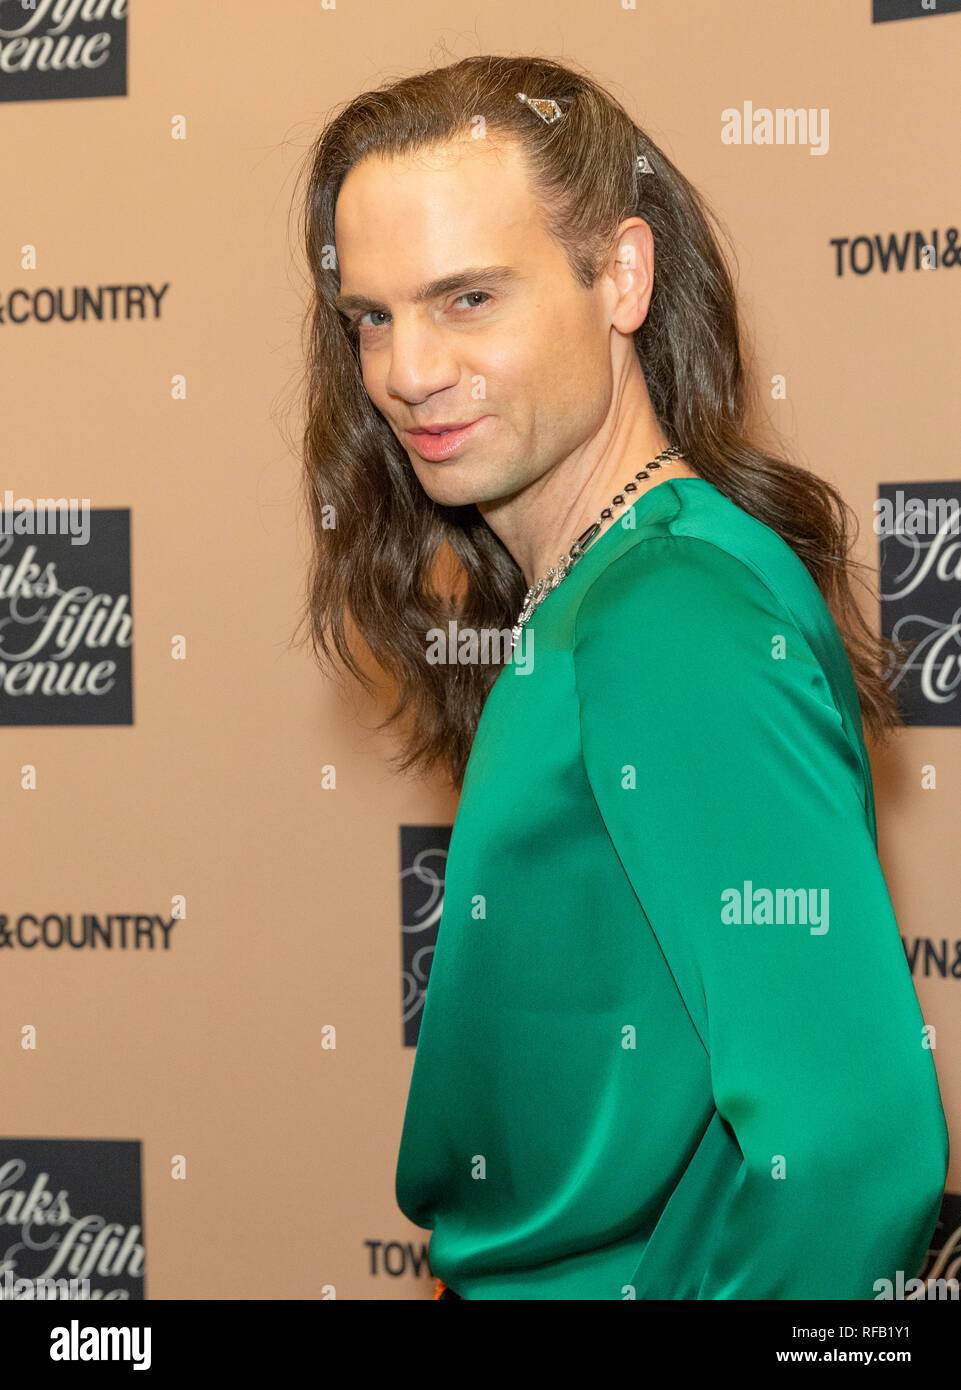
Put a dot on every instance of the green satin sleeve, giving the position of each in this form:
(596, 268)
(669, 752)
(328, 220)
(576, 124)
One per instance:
(732, 795)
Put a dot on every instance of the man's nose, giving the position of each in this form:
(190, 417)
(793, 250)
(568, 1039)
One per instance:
(421, 361)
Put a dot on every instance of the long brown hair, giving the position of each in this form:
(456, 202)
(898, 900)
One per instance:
(376, 567)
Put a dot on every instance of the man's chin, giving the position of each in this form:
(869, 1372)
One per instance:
(443, 488)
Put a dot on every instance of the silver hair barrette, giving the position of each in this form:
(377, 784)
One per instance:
(545, 107)
(549, 112)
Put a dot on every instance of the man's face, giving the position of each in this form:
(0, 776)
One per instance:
(528, 349)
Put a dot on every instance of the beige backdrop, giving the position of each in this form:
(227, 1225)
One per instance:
(214, 1049)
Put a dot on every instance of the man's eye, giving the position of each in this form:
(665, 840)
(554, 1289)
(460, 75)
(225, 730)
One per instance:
(382, 313)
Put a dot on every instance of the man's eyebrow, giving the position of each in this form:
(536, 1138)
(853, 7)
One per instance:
(498, 276)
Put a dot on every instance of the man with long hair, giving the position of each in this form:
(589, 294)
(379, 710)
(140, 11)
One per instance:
(670, 1045)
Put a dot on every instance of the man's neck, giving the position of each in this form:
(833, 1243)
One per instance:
(540, 524)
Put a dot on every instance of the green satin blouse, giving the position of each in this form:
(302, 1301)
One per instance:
(670, 1045)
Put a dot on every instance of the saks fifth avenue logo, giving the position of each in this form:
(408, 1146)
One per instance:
(921, 596)
(53, 49)
(423, 862)
(70, 1209)
(884, 10)
(942, 1268)
(66, 630)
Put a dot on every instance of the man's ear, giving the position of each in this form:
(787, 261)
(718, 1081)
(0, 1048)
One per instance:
(631, 273)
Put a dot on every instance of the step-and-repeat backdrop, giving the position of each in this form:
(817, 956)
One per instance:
(218, 902)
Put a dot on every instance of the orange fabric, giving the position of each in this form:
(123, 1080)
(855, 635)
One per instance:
(441, 1286)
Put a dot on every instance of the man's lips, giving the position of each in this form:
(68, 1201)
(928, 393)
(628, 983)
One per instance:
(442, 429)
(434, 442)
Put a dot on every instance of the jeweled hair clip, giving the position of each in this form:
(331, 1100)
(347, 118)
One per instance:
(545, 107)
(549, 112)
